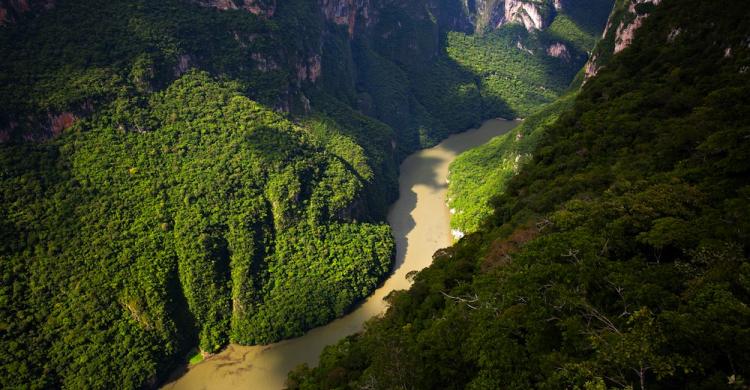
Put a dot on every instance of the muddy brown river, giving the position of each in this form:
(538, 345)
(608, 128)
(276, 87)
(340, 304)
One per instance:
(420, 223)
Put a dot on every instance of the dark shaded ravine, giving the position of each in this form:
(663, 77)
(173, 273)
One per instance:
(421, 225)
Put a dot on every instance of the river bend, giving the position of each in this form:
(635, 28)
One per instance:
(420, 223)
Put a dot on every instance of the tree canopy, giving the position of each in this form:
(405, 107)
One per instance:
(617, 257)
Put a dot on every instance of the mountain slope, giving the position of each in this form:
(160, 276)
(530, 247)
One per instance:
(476, 176)
(141, 229)
(193, 173)
(480, 174)
(616, 258)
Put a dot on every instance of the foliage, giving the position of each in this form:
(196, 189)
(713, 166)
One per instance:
(194, 357)
(58, 68)
(427, 90)
(225, 210)
(517, 77)
(179, 208)
(477, 175)
(616, 258)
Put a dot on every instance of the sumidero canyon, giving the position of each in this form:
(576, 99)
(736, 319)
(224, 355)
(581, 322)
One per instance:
(375, 194)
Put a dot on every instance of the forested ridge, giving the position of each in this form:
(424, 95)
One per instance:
(176, 176)
(616, 256)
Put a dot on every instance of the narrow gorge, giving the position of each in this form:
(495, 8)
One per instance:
(237, 182)
(419, 220)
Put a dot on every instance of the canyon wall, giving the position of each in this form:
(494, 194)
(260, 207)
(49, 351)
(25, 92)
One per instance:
(623, 23)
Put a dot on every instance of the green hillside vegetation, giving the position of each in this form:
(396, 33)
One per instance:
(563, 27)
(478, 175)
(516, 76)
(181, 209)
(616, 258)
(225, 208)
(510, 76)
(93, 51)
(589, 16)
(431, 91)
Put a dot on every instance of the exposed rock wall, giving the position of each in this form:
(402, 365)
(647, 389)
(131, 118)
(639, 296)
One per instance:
(60, 122)
(347, 12)
(264, 8)
(559, 50)
(533, 15)
(626, 31)
(625, 19)
(310, 69)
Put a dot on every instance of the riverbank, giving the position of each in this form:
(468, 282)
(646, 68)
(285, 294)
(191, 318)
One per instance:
(420, 221)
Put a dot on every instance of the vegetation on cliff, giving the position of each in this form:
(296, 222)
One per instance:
(478, 175)
(222, 223)
(616, 258)
(155, 197)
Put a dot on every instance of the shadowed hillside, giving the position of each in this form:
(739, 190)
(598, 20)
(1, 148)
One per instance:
(617, 256)
(181, 174)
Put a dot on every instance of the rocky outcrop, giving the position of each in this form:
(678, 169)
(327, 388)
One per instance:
(60, 122)
(674, 34)
(264, 8)
(347, 12)
(626, 30)
(559, 50)
(310, 69)
(533, 15)
(521, 47)
(263, 63)
(625, 19)
(341, 12)
(591, 68)
(11, 10)
(488, 13)
(43, 126)
(183, 64)
(260, 7)
(53, 126)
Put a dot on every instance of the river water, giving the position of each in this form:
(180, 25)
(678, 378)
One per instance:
(420, 223)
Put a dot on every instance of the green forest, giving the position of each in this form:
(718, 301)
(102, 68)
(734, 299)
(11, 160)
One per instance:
(478, 175)
(176, 177)
(615, 254)
(226, 211)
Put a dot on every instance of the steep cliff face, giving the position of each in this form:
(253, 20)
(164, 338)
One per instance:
(342, 42)
(533, 15)
(626, 17)
(347, 12)
(265, 8)
(626, 29)
(558, 50)
(492, 14)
